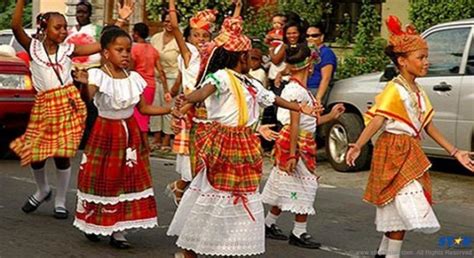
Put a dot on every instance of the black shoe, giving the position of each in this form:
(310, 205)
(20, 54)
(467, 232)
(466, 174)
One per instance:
(32, 204)
(92, 237)
(379, 255)
(119, 244)
(274, 232)
(60, 213)
(305, 241)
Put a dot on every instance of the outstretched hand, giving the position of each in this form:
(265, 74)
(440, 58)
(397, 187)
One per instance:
(464, 158)
(267, 133)
(80, 75)
(337, 110)
(313, 111)
(352, 154)
(124, 11)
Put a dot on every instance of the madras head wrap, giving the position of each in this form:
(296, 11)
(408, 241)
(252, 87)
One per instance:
(404, 41)
(204, 20)
(231, 37)
(314, 58)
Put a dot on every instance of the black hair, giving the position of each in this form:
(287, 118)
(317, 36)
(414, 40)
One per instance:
(300, 29)
(389, 51)
(111, 35)
(279, 15)
(108, 27)
(141, 29)
(187, 33)
(297, 53)
(166, 11)
(44, 20)
(318, 26)
(87, 5)
(222, 58)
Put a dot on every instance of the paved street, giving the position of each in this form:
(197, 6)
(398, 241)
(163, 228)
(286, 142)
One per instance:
(343, 224)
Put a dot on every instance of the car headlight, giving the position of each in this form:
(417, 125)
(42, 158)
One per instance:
(15, 82)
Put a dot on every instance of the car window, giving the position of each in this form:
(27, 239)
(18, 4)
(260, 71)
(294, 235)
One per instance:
(5, 39)
(446, 48)
(470, 60)
(16, 45)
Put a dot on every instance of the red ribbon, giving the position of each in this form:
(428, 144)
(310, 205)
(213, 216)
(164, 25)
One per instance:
(243, 198)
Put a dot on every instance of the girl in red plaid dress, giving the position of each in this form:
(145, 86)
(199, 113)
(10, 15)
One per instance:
(57, 117)
(114, 191)
(221, 213)
(399, 184)
(292, 184)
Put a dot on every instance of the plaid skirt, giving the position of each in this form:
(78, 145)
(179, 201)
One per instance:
(114, 183)
(181, 140)
(306, 149)
(397, 160)
(232, 158)
(198, 131)
(55, 127)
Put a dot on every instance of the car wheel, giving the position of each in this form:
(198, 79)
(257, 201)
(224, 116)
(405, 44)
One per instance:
(340, 133)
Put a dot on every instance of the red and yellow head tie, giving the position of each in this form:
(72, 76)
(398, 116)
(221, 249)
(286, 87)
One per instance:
(404, 41)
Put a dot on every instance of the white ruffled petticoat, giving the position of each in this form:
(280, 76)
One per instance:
(291, 192)
(183, 167)
(409, 210)
(213, 222)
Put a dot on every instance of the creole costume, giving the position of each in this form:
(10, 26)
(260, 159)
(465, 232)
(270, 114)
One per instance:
(58, 114)
(222, 213)
(399, 184)
(114, 183)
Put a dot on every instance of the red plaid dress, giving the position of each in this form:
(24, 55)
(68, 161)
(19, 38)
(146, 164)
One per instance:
(55, 127)
(197, 133)
(114, 184)
(306, 149)
(232, 156)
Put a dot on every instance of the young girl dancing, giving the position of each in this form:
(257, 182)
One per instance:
(293, 183)
(114, 191)
(221, 213)
(399, 185)
(57, 117)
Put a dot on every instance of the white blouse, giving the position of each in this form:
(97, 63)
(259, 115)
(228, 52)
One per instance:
(222, 105)
(189, 75)
(43, 75)
(116, 98)
(295, 92)
(397, 127)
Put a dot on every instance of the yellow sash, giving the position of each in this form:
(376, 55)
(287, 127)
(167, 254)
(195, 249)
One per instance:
(239, 94)
(390, 105)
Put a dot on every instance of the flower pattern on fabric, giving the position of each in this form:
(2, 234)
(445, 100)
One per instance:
(131, 157)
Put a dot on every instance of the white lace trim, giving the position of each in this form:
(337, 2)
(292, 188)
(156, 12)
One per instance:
(119, 226)
(221, 253)
(116, 199)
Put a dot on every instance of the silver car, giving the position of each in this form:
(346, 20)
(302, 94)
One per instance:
(449, 85)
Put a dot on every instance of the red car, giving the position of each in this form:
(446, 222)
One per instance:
(16, 99)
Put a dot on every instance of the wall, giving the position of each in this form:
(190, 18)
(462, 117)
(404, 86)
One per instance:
(398, 8)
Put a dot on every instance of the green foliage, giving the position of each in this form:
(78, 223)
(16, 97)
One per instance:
(188, 8)
(368, 55)
(344, 29)
(6, 14)
(426, 13)
(310, 10)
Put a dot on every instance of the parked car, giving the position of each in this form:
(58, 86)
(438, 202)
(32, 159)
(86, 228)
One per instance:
(6, 38)
(16, 99)
(449, 85)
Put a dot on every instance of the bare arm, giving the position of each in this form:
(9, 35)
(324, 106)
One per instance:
(281, 102)
(279, 56)
(326, 73)
(146, 109)
(294, 128)
(238, 8)
(162, 76)
(354, 148)
(335, 113)
(436, 135)
(175, 88)
(185, 52)
(201, 94)
(17, 26)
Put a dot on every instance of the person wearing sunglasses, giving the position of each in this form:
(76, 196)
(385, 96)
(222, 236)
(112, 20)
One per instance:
(323, 73)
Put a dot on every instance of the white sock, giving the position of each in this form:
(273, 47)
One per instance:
(271, 219)
(41, 184)
(119, 236)
(383, 245)
(394, 248)
(299, 228)
(63, 176)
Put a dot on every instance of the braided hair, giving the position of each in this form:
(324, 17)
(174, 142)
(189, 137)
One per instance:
(111, 35)
(43, 20)
(221, 59)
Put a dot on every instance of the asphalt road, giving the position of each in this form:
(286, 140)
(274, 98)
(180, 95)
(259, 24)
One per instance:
(343, 223)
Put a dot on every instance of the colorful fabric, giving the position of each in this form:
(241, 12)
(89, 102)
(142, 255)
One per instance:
(181, 140)
(203, 20)
(305, 149)
(55, 127)
(197, 137)
(231, 37)
(390, 105)
(144, 120)
(114, 182)
(397, 160)
(238, 92)
(404, 41)
(232, 158)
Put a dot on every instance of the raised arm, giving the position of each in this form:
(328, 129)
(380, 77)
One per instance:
(185, 52)
(17, 26)
(238, 8)
(124, 11)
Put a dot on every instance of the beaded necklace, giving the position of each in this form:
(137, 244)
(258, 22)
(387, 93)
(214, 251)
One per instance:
(415, 96)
